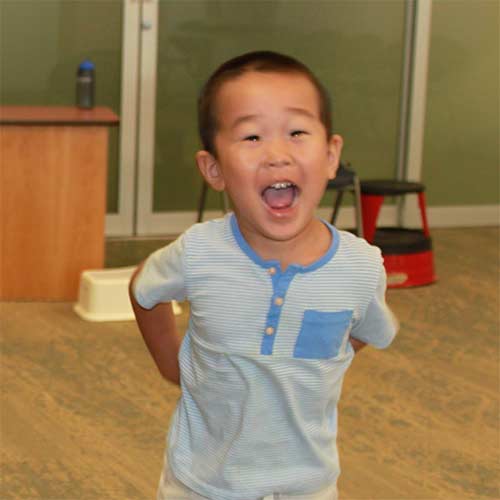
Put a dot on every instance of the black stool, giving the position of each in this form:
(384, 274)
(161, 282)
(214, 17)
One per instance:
(346, 180)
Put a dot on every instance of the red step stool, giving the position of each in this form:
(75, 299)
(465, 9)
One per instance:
(408, 257)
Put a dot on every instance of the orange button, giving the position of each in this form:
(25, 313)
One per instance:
(278, 301)
(269, 330)
(272, 270)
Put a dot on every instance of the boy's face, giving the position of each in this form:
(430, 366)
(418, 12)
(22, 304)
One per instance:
(273, 155)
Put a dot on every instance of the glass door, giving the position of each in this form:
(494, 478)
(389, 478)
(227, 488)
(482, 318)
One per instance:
(356, 48)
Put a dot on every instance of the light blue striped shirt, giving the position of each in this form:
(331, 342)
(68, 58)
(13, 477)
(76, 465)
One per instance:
(263, 358)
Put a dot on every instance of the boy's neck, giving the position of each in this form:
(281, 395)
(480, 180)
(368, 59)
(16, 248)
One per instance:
(304, 249)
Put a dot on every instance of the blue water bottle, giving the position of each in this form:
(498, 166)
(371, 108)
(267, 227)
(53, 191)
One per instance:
(85, 84)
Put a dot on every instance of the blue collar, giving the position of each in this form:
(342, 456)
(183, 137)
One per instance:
(249, 251)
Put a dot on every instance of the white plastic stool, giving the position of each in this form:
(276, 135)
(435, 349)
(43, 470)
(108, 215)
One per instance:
(103, 295)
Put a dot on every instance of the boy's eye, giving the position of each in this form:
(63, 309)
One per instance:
(252, 138)
(298, 133)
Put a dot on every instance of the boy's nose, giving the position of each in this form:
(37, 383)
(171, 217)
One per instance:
(277, 154)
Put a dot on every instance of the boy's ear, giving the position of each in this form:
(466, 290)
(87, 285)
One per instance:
(334, 151)
(210, 170)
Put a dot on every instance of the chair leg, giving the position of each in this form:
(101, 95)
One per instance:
(336, 206)
(357, 207)
(421, 204)
(201, 202)
(225, 202)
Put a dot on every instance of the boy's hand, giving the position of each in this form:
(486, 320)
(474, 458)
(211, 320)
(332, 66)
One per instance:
(356, 344)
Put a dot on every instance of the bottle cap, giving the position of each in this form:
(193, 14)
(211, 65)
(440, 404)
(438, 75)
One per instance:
(86, 65)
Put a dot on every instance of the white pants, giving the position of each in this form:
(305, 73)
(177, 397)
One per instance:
(170, 488)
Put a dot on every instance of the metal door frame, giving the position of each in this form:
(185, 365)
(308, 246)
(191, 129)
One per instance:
(122, 223)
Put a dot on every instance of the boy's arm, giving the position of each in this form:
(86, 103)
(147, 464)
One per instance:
(158, 329)
(357, 345)
(378, 325)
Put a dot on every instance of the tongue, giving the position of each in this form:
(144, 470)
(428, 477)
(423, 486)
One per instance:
(279, 198)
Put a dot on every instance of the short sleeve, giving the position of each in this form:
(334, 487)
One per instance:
(162, 278)
(378, 326)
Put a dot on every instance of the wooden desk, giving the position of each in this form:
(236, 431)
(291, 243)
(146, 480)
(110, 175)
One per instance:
(53, 175)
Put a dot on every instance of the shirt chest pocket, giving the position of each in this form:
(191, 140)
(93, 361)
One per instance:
(321, 334)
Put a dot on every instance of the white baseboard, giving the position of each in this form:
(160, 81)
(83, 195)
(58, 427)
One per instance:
(118, 225)
(174, 223)
(464, 216)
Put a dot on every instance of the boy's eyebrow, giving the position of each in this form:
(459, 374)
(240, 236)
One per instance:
(243, 119)
(247, 118)
(302, 111)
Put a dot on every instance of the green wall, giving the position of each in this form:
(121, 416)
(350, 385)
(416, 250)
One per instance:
(461, 149)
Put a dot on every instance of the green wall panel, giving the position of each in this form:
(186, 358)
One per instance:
(41, 46)
(356, 49)
(461, 148)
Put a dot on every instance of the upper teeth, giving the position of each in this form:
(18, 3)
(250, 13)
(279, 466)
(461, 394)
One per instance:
(281, 185)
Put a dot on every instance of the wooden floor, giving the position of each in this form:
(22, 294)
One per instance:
(84, 412)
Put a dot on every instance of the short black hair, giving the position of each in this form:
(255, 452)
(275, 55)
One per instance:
(263, 61)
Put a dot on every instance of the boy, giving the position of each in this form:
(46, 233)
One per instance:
(279, 299)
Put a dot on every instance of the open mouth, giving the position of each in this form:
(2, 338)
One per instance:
(280, 195)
